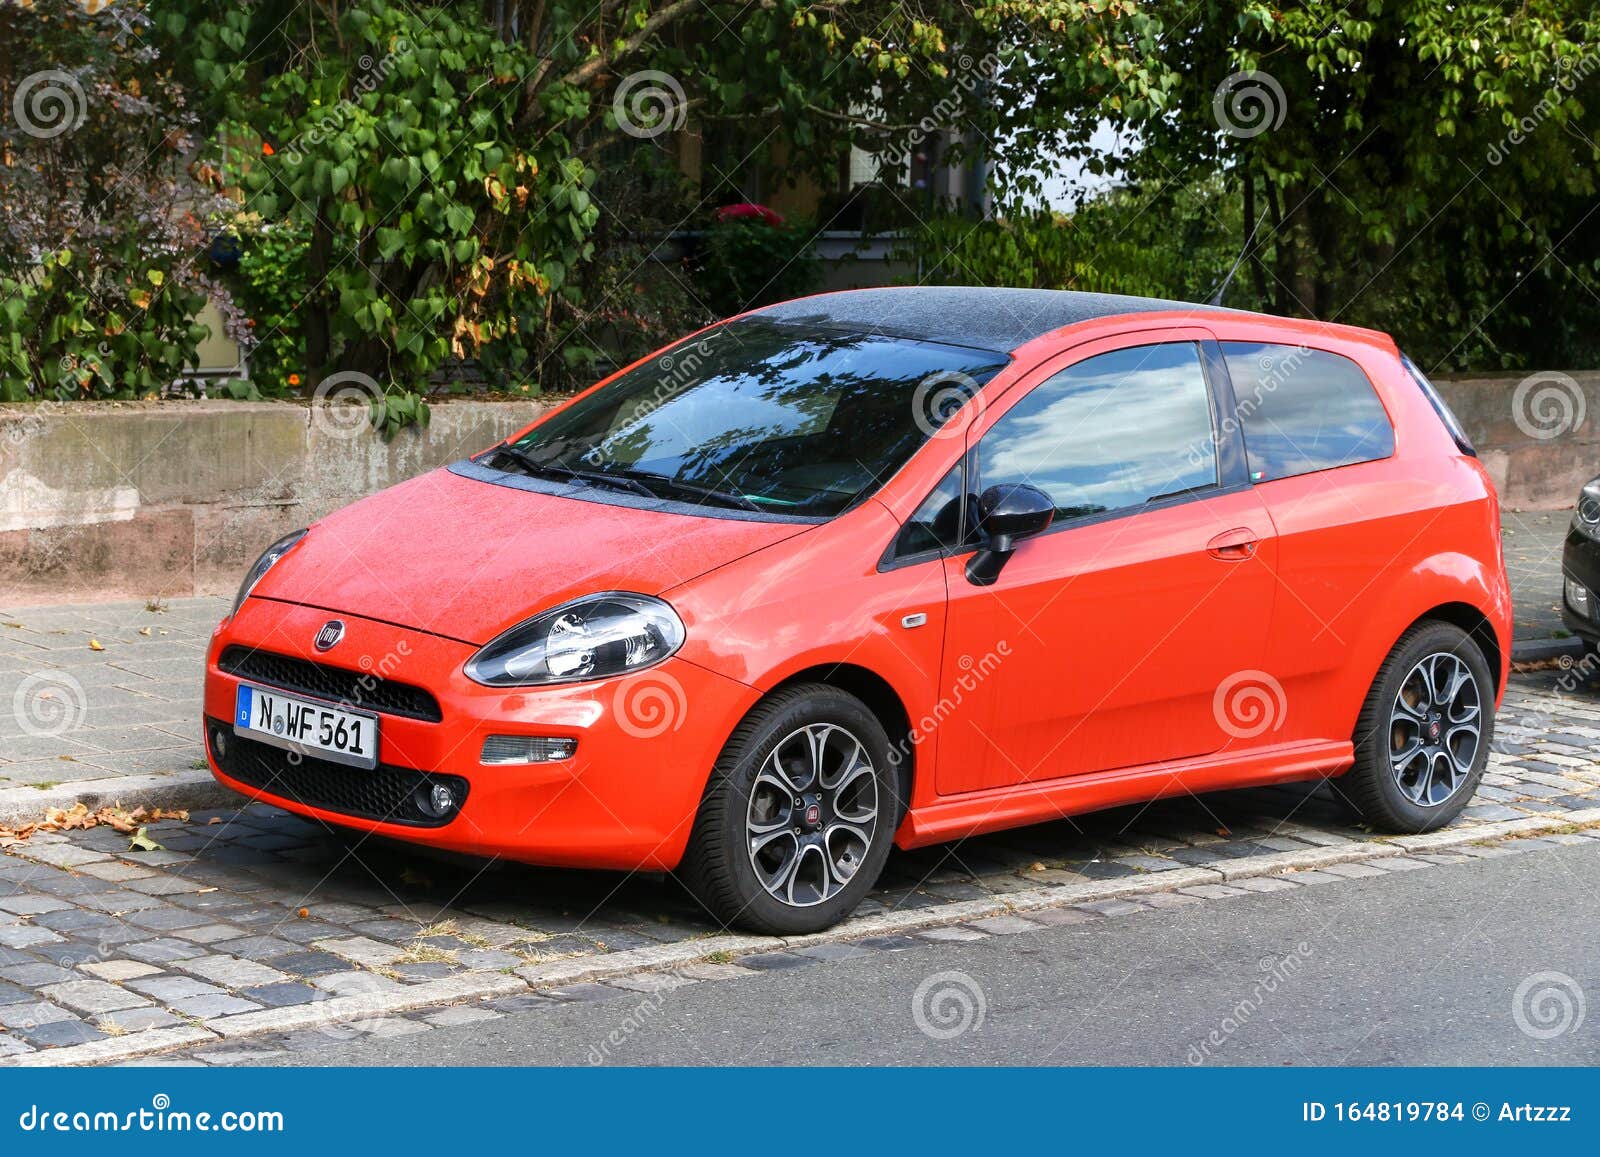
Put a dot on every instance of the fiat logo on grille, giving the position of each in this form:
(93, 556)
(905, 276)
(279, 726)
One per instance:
(330, 634)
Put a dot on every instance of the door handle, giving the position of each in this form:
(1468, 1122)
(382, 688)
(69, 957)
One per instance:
(1235, 545)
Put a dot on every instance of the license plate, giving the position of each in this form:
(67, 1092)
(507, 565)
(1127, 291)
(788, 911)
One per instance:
(306, 726)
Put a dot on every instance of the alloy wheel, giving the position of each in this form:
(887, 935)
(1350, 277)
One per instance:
(1435, 728)
(812, 815)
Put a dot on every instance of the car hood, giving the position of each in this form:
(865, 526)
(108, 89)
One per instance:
(466, 558)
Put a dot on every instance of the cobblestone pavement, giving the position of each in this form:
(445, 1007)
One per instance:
(250, 909)
(133, 708)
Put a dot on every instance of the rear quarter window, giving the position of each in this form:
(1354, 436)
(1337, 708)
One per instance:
(1304, 410)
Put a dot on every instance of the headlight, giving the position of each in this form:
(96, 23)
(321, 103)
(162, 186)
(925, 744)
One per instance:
(268, 559)
(1589, 506)
(589, 638)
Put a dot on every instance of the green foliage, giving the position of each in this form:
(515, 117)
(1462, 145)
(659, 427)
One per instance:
(269, 285)
(1159, 243)
(128, 337)
(102, 239)
(1425, 168)
(431, 225)
(744, 264)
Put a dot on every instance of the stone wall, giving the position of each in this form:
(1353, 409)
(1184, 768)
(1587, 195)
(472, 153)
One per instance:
(168, 499)
(1538, 434)
(163, 500)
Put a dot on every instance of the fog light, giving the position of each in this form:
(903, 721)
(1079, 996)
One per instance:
(437, 801)
(503, 749)
(1578, 598)
(219, 743)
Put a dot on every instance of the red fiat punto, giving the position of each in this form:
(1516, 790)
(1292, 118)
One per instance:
(889, 567)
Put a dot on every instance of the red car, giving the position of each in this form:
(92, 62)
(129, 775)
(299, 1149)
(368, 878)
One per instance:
(890, 567)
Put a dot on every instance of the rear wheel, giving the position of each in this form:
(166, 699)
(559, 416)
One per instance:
(1422, 740)
(799, 815)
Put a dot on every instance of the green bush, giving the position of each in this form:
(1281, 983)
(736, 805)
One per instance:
(1177, 245)
(746, 263)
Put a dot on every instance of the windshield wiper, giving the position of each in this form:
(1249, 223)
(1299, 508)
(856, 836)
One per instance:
(531, 465)
(673, 485)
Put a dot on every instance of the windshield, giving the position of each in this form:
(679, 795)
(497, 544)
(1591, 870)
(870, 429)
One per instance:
(759, 415)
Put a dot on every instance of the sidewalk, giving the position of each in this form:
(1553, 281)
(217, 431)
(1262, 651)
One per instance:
(121, 724)
(118, 723)
(1533, 543)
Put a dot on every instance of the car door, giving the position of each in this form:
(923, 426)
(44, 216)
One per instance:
(1130, 631)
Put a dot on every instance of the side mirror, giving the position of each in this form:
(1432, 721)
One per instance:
(1005, 514)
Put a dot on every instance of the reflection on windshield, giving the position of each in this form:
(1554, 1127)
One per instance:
(774, 416)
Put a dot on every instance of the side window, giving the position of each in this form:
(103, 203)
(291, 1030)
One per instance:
(1304, 410)
(937, 523)
(1112, 432)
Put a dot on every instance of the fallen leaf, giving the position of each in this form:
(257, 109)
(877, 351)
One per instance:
(94, 645)
(303, 913)
(145, 631)
(140, 841)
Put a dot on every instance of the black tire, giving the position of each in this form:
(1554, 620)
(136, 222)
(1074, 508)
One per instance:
(720, 867)
(1387, 787)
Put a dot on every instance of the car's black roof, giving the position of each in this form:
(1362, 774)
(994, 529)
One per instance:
(990, 318)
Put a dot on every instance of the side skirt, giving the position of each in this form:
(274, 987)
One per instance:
(995, 809)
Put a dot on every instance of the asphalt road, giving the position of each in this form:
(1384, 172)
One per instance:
(1420, 968)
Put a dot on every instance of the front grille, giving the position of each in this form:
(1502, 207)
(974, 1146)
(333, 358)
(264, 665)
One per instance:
(391, 794)
(357, 688)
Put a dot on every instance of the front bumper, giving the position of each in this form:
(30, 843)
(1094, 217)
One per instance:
(626, 799)
(1580, 563)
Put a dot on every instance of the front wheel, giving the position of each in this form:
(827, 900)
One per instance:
(799, 815)
(1422, 740)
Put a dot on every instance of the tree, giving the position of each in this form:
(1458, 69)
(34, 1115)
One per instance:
(448, 161)
(103, 234)
(1426, 168)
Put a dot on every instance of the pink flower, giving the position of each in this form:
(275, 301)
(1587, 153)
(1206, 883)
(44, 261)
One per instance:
(748, 211)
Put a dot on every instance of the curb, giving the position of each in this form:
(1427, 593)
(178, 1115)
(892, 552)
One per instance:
(1542, 650)
(173, 791)
(475, 986)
